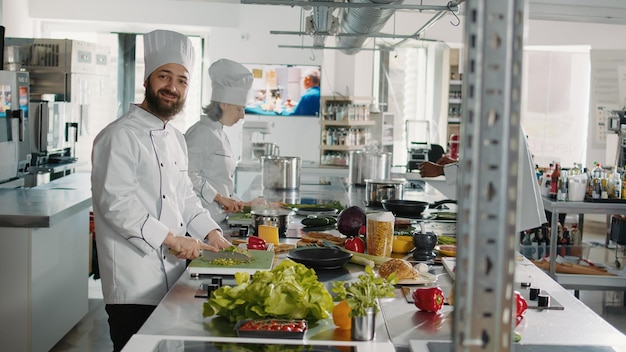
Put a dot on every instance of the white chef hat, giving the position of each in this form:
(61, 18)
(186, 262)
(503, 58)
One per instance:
(230, 81)
(167, 47)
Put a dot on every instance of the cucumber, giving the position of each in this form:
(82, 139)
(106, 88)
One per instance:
(315, 222)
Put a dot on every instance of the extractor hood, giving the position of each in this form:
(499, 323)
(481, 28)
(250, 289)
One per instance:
(352, 22)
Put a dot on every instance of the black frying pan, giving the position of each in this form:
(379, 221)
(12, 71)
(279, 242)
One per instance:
(415, 208)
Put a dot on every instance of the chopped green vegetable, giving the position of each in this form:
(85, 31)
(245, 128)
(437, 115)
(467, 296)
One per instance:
(442, 239)
(289, 291)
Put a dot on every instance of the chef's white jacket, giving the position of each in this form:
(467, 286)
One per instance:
(211, 164)
(141, 190)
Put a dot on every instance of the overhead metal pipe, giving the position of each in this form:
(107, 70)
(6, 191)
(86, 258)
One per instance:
(362, 21)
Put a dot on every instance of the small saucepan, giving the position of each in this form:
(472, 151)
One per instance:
(411, 208)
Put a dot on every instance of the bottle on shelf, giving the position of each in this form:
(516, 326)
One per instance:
(554, 181)
(562, 186)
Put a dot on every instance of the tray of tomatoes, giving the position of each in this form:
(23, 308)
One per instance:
(272, 328)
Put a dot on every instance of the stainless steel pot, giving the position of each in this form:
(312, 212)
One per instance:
(364, 165)
(265, 149)
(281, 172)
(378, 190)
(271, 217)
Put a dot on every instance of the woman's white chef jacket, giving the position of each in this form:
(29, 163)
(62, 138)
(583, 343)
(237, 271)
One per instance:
(141, 190)
(211, 164)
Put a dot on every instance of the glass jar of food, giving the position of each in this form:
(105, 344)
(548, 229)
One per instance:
(379, 234)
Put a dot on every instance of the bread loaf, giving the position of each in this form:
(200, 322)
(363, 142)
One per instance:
(402, 268)
(319, 237)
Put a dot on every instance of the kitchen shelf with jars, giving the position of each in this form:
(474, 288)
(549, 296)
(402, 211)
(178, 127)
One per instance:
(455, 88)
(346, 125)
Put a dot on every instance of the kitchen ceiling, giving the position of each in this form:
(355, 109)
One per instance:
(594, 11)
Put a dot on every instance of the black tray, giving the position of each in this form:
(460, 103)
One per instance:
(600, 200)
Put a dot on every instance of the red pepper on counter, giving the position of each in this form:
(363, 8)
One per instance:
(520, 304)
(255, 242)
(355, 244)
(428, 299)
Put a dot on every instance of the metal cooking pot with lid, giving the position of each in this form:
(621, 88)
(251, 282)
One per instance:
(379, 190)
(281, 172)
(364, 165)
(271, 217)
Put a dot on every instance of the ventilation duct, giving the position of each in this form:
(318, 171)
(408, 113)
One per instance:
(359, 22)
(322, 21)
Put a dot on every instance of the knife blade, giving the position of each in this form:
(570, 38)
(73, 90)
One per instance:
(225, 254)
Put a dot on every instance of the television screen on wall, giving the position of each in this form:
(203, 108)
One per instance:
(287, 90)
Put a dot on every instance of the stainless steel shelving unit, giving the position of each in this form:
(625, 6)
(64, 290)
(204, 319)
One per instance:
(487, 184)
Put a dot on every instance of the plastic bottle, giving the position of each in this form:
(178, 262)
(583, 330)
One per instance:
(554, 181)
(575, 235)
(562, 187)
(596, 181)
(616, 181)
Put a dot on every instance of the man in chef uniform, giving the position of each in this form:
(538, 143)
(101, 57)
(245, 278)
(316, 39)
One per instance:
(148, 218)
(211, 160)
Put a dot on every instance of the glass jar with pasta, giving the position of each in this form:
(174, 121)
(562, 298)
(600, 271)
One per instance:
(379, 234)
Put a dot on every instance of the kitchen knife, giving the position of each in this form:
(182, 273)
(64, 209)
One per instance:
(226, 254)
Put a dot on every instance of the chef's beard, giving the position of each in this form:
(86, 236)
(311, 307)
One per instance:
(161, 109)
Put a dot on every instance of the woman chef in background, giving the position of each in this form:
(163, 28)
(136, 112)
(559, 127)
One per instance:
(211, 160)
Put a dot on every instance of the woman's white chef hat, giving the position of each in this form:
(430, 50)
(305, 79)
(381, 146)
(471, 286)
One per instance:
(167, 47)
(230, 81)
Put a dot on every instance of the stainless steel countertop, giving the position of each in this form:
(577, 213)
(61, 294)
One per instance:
(179, 316)
(45, 205)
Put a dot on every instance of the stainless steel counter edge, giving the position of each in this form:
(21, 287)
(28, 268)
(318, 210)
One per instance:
(45, 205)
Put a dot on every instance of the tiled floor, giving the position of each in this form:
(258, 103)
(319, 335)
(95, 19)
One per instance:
(91, 333)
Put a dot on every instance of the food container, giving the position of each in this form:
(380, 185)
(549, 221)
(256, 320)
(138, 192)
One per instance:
(281, 172)
(402, 244)
(378, 190)
(272, 328)
(270, 217)
(364, 165)
(576, 188)
(379, 234)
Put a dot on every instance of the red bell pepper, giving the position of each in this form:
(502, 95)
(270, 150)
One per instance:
(520, 304)
(255, 242)
(428, 299)
(355, 244)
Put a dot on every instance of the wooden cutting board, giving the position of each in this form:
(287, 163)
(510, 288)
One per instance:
(261, 260)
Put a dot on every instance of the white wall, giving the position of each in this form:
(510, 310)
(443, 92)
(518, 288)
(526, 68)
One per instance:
(241, 32)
